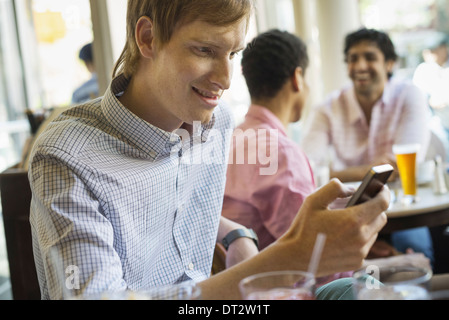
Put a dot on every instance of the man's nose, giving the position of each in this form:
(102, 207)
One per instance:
(222, 74)
(361, 64)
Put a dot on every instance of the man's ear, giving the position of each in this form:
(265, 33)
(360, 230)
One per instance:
(389, 65)
(145, 36)
(297, 80)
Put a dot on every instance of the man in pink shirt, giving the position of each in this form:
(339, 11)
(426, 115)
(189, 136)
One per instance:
(361, 122)
(269, 176)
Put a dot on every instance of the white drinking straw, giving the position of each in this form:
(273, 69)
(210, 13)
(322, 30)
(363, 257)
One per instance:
(316, 254)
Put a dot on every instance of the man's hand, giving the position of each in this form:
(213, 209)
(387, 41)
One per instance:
(350, 232)
(418, 260)
(382, 249)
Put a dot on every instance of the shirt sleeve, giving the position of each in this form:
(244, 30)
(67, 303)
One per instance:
(72, 236)
(277, 201)
(267, 203)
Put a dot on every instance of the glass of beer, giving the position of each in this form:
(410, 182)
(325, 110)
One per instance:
(407, 166)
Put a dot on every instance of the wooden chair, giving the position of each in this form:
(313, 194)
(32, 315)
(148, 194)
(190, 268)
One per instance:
(16, 198)
(219, 261)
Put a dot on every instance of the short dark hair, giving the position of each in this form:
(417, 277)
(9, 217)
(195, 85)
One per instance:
(380, 38)
(86, 53)
(270, 60)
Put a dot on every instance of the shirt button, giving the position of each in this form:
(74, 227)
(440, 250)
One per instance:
(190, 266)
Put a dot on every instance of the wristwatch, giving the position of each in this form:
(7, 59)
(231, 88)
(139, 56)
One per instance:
(239, 233)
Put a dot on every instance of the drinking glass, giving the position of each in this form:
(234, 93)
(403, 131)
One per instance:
(183, 291)
(406, 162)
(281, 285)
(392, 283)
(188, 290)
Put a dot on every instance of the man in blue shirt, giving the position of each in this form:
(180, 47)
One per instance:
(128, 188)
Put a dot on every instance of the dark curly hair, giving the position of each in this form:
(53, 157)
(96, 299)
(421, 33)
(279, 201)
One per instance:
(381, 39)
(270, 60)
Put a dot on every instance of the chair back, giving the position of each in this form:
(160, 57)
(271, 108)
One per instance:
(219, 260)
(16, 198)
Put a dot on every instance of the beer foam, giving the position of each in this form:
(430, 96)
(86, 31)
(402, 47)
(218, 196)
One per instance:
(406, 148)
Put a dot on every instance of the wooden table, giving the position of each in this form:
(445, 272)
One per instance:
(431, 210)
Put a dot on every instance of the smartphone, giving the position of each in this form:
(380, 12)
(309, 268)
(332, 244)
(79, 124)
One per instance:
(371, 185)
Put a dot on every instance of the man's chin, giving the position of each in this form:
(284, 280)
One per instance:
(204, 118)
(362, 89)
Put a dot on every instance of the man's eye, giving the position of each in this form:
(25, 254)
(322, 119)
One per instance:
(204, 51)
(234, 54)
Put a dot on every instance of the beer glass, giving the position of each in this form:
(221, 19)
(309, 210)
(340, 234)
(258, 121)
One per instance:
(407, 166)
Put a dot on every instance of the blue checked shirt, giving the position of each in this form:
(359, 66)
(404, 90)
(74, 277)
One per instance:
(119, 204)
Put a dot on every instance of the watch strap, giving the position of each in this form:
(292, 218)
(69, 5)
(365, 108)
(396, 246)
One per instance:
(239, 233)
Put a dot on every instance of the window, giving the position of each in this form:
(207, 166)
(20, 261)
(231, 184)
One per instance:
(270, 14)
(13, 124)
(62, 28)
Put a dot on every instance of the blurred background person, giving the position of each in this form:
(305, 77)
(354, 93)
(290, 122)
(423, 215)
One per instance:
(274, 66)
(361, 122)
(432, 76)
(88, 90)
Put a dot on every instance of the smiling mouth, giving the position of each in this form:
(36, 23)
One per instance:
(206, 94)
(361, 80)
(362, 77)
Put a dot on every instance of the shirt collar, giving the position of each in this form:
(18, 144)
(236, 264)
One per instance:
(355, 111)
(389, 93)
(267, 117)
(150, 139)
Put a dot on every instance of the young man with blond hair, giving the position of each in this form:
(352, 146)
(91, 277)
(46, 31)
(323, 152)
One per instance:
(121, 188)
